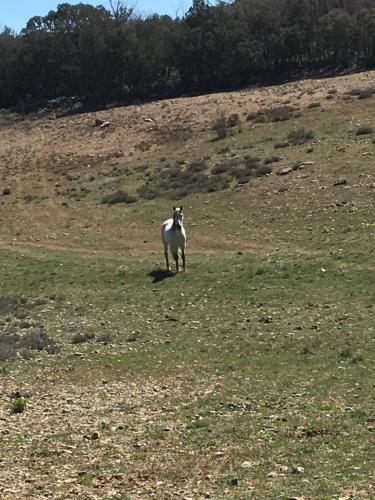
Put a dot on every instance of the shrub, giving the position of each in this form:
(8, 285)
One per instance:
(19, 405)
(260, 118)
(221, 168)
(8, 346)
(242, 175)
(119, 197)
(263, 170)
(300, 136)
(251, 116)
(148, 192)
(365, 130)
(105, 338)
(233, 120)
(281, 145)
(251, 162)
(272, 159)
(220, 126)
(313, 105)
(366, 93)
(39, 340)
(197, 166)
(81, 338)
(363, 93)
(280, 114)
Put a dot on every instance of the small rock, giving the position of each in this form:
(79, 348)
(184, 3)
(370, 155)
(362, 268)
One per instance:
(98, 122)
(95, 436)
(246, 465)
(340, 182)
(285, 171)
(233, 481)
(298, 469)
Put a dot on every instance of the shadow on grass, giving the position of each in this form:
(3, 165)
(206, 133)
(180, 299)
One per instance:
(160, 275)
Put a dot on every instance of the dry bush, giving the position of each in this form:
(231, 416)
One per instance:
(176, 183)
(81, 338)
(279, 114)
(225, 166)
(197, 166)
(222, 123)
(263, 170)
(300, 136)
(272, 159)
(220, 126)
(36, 340)
(281, 145)
(365, 130)
(119, 197)
(361, 93)
(233, 120)
(315, 104)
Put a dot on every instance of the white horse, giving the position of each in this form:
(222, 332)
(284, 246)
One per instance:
(174, 236)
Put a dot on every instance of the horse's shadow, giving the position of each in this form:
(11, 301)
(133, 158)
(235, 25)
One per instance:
(158, 275)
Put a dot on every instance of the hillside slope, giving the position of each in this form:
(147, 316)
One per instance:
(252, 375)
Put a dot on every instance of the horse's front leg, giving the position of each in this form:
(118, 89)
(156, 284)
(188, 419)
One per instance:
(175, 256)
(166, 257)
(183, 260)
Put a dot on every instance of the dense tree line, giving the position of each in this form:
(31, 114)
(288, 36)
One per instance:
(105, 55)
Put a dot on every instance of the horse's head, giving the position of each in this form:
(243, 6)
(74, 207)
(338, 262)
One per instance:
(178, 217)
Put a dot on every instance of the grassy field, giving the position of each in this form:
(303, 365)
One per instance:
(250, 376)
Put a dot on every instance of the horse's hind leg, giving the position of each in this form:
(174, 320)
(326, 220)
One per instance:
(166, 257)
(183, 260)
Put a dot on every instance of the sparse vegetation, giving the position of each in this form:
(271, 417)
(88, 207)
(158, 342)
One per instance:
(362, 93)
(19, 404)
(220, 126)
(222, 123)
(81, 338)
(313, 105)
(365, 130)
(300, 136)
(273, 115)
(272, 159)
(119, 197)
(197, 166)
(14, 344)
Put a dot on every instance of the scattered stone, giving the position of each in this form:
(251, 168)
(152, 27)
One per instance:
(246, 465)
(99, 122)
(95, 436)
(340, 182)
(285, 171)
(298, 469)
